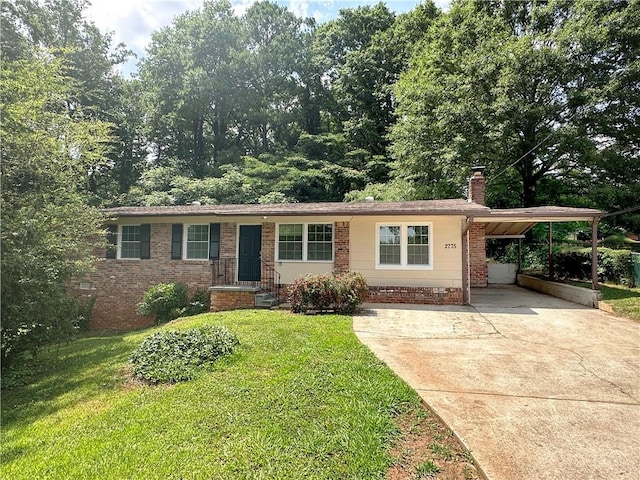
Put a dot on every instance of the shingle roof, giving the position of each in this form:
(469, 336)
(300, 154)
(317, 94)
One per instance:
(430, 207)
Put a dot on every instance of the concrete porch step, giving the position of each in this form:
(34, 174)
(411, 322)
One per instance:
(267, 300)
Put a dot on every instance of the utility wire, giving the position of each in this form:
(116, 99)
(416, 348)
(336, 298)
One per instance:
(493, 177)
(620, 212)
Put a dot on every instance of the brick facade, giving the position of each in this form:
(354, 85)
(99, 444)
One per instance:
(341, 247)
(477, 256)
(228, 232)
(118, 285)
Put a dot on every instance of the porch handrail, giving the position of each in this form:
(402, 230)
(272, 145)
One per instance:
(270, 280)
(223, 272)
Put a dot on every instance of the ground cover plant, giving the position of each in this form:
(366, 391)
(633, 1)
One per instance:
(299, 398)
(172, 356)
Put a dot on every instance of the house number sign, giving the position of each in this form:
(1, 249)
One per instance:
(450, 245)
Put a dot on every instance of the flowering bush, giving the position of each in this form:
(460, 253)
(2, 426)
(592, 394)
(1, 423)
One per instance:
(341, 293)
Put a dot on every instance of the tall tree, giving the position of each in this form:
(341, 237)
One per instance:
(276, 43)
(506, 84)
(354, 72)
(192, 78)
(90, 59)
(47, 227)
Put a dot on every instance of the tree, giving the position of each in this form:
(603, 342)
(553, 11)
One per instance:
(518, 86)
(88, 57)
(364, 86)
(47, 227)
(276, 44)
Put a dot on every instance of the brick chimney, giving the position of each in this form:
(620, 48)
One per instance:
(476, 232)
(477, 185)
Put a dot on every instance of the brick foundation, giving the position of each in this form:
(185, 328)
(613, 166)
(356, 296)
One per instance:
(223, 299)
(415, 295)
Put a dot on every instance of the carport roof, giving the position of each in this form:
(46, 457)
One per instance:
(515, 222)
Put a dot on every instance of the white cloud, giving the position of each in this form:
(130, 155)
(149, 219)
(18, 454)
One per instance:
(133, 21)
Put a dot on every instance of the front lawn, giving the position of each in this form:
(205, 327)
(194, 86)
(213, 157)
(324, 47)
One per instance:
(300, 398)
(624, 301)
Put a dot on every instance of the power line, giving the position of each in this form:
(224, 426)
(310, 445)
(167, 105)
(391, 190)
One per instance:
(620, 212)
(493, 177)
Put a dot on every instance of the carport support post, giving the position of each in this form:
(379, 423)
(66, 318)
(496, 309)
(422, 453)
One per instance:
(519, 255)
(550, 257)
(594, 254)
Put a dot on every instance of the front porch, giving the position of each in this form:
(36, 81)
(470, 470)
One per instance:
(249, 284)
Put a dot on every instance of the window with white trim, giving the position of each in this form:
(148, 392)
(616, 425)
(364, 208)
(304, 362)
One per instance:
(310, 242)
(320, 242)
(197, 242)
(404, 245)
(129, 242)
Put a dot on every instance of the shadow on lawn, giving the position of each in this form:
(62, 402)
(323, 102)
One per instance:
(67, 375)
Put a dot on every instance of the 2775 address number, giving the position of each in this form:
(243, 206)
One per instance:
(450, 245)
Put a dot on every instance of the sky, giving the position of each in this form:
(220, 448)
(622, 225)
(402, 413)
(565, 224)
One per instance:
(133, 21)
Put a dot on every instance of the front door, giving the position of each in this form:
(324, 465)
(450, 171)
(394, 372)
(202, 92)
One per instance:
(249, 246)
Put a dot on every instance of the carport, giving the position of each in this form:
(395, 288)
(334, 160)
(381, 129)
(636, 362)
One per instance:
(514, 223)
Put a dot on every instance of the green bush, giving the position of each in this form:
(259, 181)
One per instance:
(341, 293)
(175, 356)
(199, 303)
(164, 301)
(168, 301)
(613, 265)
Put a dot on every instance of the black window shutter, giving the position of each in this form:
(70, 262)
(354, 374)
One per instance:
(112, 240)
(176, 241)
(145, 241)
(214, 241)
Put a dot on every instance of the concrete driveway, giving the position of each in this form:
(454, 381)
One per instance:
(536, 387)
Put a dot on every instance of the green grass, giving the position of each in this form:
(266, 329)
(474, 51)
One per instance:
(300, 398)
(624, 301)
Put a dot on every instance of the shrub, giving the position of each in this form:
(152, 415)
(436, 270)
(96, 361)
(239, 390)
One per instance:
(168, 301)
(613, 265)
(199, 303)
(341, 293)
(164, 301)
(174, 356)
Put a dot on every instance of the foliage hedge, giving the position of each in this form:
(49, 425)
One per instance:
(175, 356)
(340, 293)
(168, 301)
(613, 265)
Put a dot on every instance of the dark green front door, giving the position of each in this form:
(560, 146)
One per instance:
(249, 246)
